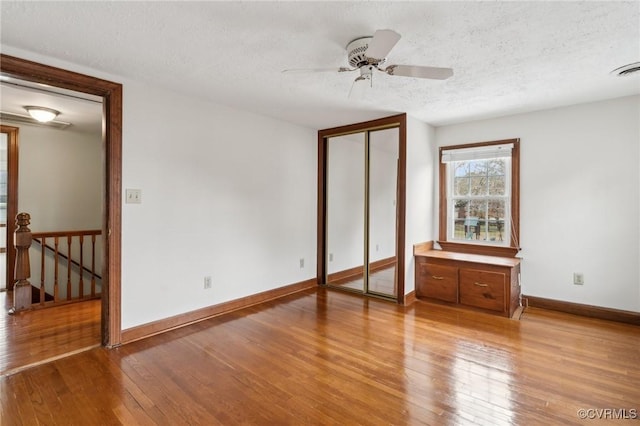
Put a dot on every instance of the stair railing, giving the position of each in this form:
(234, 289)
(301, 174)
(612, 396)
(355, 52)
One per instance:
(69, 266)
(69, 285)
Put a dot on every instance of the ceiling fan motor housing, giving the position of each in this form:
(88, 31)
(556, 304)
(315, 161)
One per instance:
(356, 50)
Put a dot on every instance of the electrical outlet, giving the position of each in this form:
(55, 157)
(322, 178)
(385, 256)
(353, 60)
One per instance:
(578, 278)
(207, 282)
(302, 262)
(377, 247)
(330, 257)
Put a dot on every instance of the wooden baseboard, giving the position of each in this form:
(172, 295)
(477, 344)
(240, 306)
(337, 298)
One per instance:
(410, 298)
(156, 327)
(598, 312)
(351, 274)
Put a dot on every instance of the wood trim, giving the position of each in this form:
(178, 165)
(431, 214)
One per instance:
(322, 211)
(345, 275)
(515, 204)
(111, 94)
(428, 245)
(380, 123)
(356, 272)
(156, 327)
(12, 198)
(515, 195)
(590, 311)
(399, 121)
(382, 264)
(479, 249)
(65, 233)
(442, 205)
(410, 298)
(112, 219)
(401, 207)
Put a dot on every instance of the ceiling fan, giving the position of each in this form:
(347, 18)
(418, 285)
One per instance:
(368, 54)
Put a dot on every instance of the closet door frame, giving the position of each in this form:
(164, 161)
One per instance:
(398, 121)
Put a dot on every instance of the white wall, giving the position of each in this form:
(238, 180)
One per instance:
(580, 198)
(421, 192)
(60, 178)
(224, 193)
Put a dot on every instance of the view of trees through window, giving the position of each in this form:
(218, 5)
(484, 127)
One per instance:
(480, 197)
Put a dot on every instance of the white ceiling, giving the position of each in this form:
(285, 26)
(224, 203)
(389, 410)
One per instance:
(83, 112)
(508, 57)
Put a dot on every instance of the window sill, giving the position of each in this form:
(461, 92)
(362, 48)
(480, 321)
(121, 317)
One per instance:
(479, 249)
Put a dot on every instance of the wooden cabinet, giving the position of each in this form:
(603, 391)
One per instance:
(439, 282)
(488, 283)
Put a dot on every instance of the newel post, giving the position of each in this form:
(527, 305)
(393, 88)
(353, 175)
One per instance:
(22, 286)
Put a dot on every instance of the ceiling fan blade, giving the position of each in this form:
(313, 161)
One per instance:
(382, 43)
(417, 71)
(300, 70)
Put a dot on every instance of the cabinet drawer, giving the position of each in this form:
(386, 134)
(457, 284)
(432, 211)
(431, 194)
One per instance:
(482, 289)
(438, 281)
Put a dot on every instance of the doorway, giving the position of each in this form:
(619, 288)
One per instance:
(361, 201)
(111, 93)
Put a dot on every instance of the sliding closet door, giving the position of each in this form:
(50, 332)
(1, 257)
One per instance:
(382, 197)
(345, 212)
(361, 207)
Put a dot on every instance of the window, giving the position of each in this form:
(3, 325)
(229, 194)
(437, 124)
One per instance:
(479, 192)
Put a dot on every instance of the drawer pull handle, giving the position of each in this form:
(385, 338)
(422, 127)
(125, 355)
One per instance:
(435, 277)
(481, 284)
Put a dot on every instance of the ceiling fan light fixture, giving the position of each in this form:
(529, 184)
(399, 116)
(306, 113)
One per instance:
(42, 114)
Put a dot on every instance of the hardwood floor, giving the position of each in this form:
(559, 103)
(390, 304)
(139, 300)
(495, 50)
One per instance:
(330, 357)
(33, 337)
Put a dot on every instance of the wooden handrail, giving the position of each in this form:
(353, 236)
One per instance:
(65, 233)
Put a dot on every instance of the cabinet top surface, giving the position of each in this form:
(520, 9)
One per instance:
(465, 257)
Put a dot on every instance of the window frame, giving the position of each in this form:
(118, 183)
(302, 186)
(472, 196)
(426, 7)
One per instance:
(478, 247)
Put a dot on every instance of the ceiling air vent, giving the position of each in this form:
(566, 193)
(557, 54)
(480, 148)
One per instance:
(27, 119)
(627, 69)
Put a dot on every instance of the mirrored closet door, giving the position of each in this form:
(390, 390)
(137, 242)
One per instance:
(360, 228)
(345, 211)
(382, 198)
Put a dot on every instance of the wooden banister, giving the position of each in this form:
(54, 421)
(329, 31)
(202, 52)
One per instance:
(39, 237)
(25, 295)
(74, 285)
(22, 286)
(66, 233)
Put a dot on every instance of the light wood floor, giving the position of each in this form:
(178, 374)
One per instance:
(33, 337)
(331, 357)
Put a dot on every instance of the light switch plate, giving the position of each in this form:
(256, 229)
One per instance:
(133, 196)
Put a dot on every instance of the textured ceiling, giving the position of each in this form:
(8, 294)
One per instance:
(508, 57)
